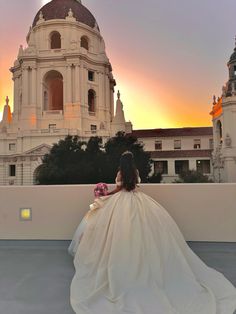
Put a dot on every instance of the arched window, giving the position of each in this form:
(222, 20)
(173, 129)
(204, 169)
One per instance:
(55, 40)
(53, 91)
(219, 131)
(36, 174)
(84, 42)
(91, 101)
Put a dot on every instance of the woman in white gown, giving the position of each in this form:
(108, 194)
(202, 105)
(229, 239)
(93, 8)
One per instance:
(134, 259)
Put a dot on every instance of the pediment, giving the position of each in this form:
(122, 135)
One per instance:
(39, 150)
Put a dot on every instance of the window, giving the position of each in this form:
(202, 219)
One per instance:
(177, 144)
(52, 126)
(197, 144)
(12, 147)
(219, 132)
(12, 170)
(158, 145)
(84, 43)
(203, 166)
(161, 166)
(181, 166)
(93, 128)
(90, 75)
(211, 143)
(91, 101)
(53, 91)
(55, 40)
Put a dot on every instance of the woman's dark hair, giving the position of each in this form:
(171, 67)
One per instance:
(128, 171)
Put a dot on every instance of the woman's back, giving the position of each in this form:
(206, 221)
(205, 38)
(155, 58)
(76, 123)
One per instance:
(128, 173)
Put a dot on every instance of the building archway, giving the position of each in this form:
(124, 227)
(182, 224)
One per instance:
(53, 91)
(35, 175)
(55, 40)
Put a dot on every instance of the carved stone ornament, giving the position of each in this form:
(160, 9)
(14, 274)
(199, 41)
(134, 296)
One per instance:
(70, 13)
(228, 141)
(73, 45)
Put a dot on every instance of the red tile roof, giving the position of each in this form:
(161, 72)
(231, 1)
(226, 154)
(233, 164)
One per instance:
(188, 131)
(182, 153)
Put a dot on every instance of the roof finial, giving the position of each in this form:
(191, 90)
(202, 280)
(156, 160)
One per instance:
(214, 99)
(70, 13)
(118, 94)
(7, 100)
(40, 15)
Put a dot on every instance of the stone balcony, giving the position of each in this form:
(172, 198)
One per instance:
(35, 268)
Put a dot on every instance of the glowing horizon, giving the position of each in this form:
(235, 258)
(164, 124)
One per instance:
(166, 70)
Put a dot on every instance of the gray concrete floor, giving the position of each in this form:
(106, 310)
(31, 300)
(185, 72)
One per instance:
(35, 276)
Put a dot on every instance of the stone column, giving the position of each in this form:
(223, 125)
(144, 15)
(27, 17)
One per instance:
(27, 180)
(68, 85)
(111, 102)
(34, 86)
(77, 83)
(2, 170)
(171, 167)
(19, 173)
(25, 83)
(192, 164)
(84, 90)
(16, 96)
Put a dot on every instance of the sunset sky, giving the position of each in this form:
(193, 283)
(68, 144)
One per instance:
(168, 56)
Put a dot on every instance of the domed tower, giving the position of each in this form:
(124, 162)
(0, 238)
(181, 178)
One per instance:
(224, 128)
(63, 79)
(63, 84)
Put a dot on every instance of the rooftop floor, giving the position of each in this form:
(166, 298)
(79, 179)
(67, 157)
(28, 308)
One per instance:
(36, 275)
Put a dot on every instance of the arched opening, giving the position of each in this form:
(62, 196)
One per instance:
(91, 101)
(84, 42)
(219, 132)
(55, 41)
(35, 175)
(53, 91)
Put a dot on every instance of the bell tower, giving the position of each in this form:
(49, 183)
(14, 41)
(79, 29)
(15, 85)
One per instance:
(224, 128)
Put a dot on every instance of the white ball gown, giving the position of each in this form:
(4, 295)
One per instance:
(133, 259)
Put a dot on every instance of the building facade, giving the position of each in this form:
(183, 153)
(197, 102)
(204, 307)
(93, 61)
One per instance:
(176, 150)
(63, 84)
(224, 128)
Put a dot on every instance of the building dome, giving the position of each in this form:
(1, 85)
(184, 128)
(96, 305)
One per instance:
(58, 9)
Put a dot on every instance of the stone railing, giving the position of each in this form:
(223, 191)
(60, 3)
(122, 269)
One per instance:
(203, 212)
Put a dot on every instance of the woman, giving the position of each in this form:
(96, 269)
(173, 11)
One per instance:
(134, 259)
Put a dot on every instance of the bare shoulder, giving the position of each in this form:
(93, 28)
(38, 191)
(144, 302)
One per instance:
(118, 176)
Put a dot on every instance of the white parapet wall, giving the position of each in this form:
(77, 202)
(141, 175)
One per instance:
(203, 212)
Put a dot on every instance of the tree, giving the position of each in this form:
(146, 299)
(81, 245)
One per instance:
(72, 161)
(155, 178)
(193, 176)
